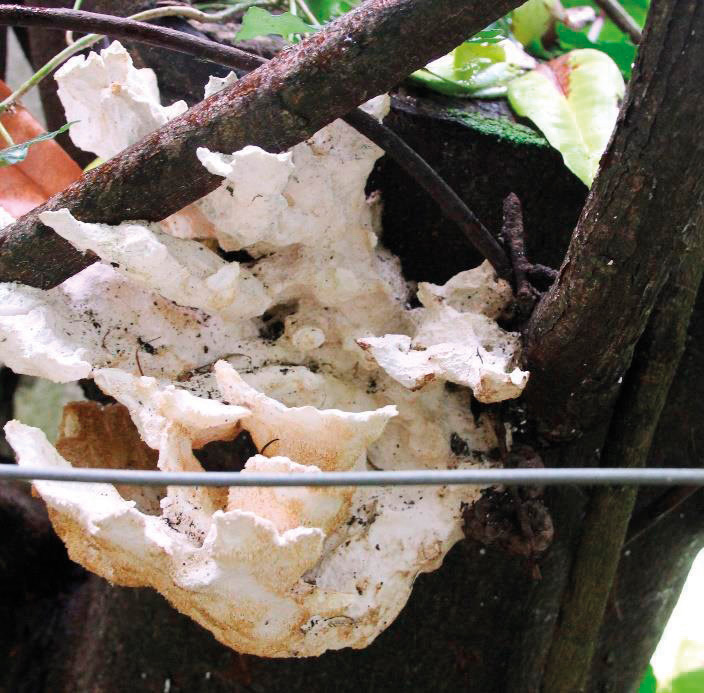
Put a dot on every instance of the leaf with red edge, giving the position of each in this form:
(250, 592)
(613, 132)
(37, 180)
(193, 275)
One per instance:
(574, 100)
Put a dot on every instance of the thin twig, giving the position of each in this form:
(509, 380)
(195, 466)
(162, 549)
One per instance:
(307, 12)
(447, 199)
(405, 156)
(6, 135)
(514, 239)
(596, 28)
(542, 273)
(47, 69)
(69, 34)
(618, 15)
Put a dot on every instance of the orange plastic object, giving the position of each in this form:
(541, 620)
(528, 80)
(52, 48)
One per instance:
(46, 170)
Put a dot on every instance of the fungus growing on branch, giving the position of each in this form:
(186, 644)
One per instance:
(307, 343)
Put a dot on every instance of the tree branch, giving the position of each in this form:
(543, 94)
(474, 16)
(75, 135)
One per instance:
(129, 30)
(645, 208)
(451, 204)
(280, 104)
(448, 200)
(617, 14)
(627, 445)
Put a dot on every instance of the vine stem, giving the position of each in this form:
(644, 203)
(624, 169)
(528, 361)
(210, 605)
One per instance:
(47, 69)
(307, 12)
(6, 135)
(407, 158)
(425, 175)
(69, 34)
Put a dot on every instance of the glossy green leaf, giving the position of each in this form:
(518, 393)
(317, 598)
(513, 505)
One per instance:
(574, 100)
(259, 22)
(649, 683)
(18, 152)
(478, 68)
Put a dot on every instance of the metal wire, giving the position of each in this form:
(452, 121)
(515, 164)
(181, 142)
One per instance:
(427, 477)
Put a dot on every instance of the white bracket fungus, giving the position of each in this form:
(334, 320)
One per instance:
(113, 103)
(198, 350)
(181, 270)
(466, 347)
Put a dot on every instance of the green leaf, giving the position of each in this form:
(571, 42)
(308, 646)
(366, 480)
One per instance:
(531, 20)
(479, 68)
(259, 22)
(488, 36)
(649, 683)
(18, 152)
(325, 10)
(689, 682)
(574, 100)
(623, 53)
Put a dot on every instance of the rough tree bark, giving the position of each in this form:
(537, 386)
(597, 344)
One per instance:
(481, 623)
(642, 223)
(644, 209)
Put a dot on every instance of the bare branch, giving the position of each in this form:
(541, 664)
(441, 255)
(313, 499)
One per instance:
(229, 56)
(129, 30)
(627, 445)
(513, 235)
(617, 14)
(280, 104)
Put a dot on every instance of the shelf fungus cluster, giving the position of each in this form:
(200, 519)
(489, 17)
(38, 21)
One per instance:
(267, 309)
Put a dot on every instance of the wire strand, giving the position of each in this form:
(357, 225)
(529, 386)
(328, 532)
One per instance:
(427, 477)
